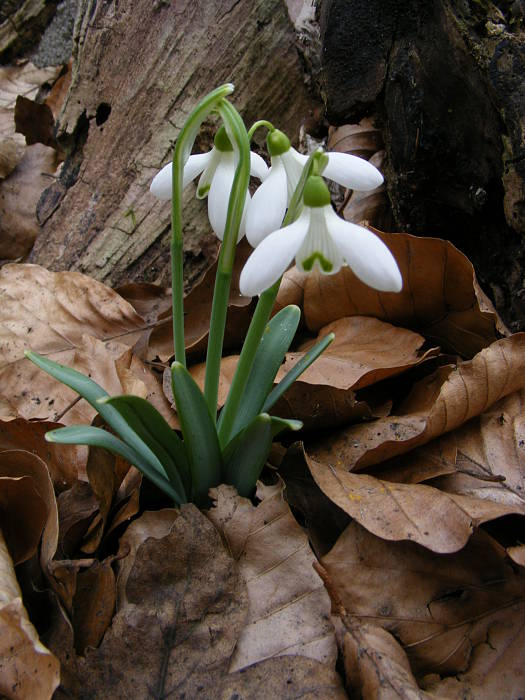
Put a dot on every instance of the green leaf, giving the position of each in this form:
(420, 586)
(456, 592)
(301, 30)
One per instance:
(245, 455)
(297, 370)
(97, 437)
(272, 348)
(280, 424)
(151, 427)
(198, 431)
(92, 392)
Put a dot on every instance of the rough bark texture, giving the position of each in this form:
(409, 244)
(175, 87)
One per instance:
(20, 24)
(140, 66)
(446, 79)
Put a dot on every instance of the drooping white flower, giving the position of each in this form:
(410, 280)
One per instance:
(216, 169)
(268, 206)
(320, 238)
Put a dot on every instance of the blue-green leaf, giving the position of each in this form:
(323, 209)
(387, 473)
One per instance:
(97, 437)
(245, 455)
(92, 392)
(151, 427)
(297, 370)
(198, 431)
(276, 340)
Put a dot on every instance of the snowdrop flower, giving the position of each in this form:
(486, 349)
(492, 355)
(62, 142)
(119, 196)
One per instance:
(216, 169)
(268, 206)
(320, 238)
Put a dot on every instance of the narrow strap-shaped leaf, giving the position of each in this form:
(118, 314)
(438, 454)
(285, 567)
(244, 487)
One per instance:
(245, 455)
(272, 348)
(280, 424)
(97, 437)
(151, 427)
(198, 431)
(92, 392)
(297, 370)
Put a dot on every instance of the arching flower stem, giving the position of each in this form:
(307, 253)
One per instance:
(181, 154)
(239, 138)
(261, 315)
(257, 125)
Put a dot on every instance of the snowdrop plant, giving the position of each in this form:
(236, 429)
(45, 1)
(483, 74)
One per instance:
(289, 216)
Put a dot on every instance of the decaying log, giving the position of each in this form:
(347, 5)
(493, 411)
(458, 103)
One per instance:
(446, 79)
(139, 67)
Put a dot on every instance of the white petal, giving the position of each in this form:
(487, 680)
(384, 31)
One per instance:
(268, 205)
(318, 249)
(219, 196)
(366, 254)
(258, 167)
(294, 163)
(352, 172)
(195, 165)
(205, 180)
(161, 184)
(271, 258)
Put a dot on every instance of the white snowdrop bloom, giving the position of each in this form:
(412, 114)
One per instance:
(320, 238)
(216, 169)
(268, 206)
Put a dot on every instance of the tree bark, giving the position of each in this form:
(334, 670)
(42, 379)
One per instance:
(139, 68)
(446, 79)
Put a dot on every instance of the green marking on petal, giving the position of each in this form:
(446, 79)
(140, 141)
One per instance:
(222, 142)
(203, 191)
(326, 265)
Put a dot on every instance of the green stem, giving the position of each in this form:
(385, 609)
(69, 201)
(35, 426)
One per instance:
(260, 317)
(257, 125)
(244, 365)
(181, 154)
(239, 138)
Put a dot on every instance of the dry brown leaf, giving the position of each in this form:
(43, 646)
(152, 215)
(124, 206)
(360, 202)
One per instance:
(184, 607)
(31, 513)
(436, 405)
(35, 121)
(28, 671)
(19, 195)
(25, 80)
(376, 667)
(440, 297)
(440, 520)
(446, 610)
(93, 604)
(362, 139)
(289, 609)
(66, 463)
(197, 309)
(364, 351)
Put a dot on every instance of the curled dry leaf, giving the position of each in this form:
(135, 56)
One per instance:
(23, 80)
(475, 472)
(436, 405)
(19, 195)
(440, 296)
(28, 671)
(362, 139)
(65, 463)
(289, 609)
(453, 614)
(29, 509)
